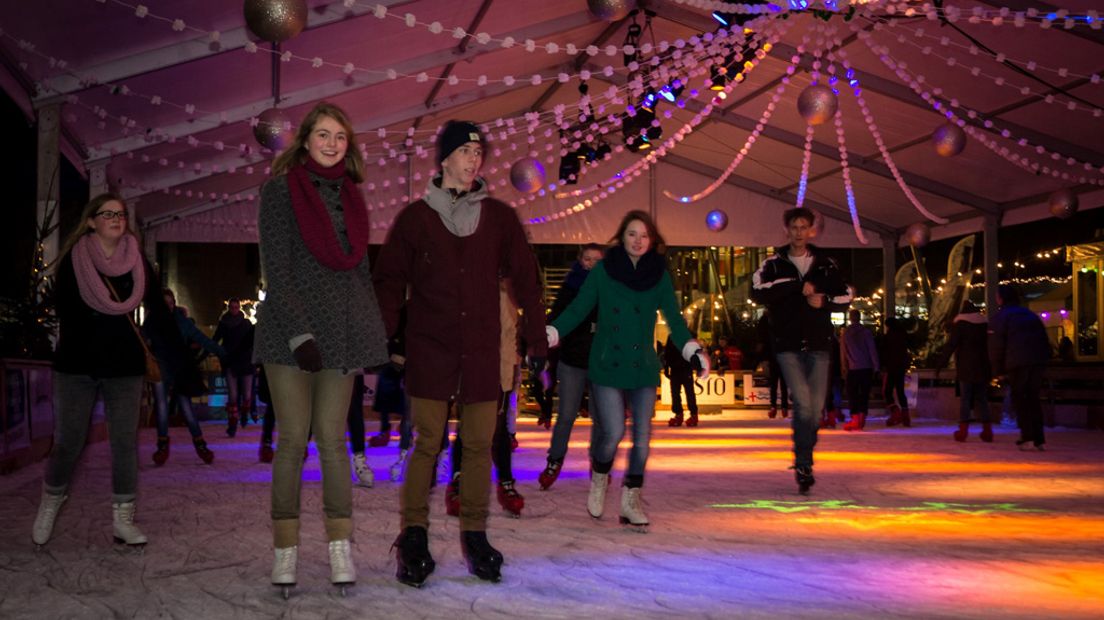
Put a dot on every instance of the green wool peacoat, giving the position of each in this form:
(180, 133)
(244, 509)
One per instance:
(623, 353)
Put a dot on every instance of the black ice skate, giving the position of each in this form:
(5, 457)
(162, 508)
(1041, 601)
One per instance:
(415, 564)
(484, 561)
(805, 480)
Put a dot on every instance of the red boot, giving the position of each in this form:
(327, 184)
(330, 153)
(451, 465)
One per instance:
(675, 421)
(162, 453)
(829, 419)
(906, 421)
(265, 454)
(452, 497)
(550, 474)
(381, 440)
(963, 430)
(986, 432)
(785, 413)
(231, 420)
(202, 450)
(772, 413)
(692, 421)
(508, 497)
(894, 415)
(856, 422)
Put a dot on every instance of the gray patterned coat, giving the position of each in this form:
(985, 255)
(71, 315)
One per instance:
(338, 308)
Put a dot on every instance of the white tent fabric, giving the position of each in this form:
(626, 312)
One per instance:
(161, 99)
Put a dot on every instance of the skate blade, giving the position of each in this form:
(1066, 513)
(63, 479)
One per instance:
(635, 527)
(137, 545)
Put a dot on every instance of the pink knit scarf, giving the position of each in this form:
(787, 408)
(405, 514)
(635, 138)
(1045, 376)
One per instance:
(89, 262)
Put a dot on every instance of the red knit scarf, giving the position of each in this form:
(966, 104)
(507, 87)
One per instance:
(314, 221)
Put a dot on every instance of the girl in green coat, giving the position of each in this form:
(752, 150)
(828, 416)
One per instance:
(628, 286)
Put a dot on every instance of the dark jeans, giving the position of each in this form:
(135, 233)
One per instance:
(895, 387)
(269, 424)
(806, 373)
(573, 381)
(185, 405)
(777, 381)
(356, 415)
(683, 382)
(1026, 382)
(973, 396)
(74, 397)
(858, 389)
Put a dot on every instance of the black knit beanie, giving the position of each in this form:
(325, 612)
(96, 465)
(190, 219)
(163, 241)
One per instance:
(455, 135)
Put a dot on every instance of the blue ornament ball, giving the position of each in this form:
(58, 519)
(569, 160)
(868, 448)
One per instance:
(716, 220)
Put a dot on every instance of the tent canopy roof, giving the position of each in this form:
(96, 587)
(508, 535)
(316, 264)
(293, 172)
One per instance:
(169, 108)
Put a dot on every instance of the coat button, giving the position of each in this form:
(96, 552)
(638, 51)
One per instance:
(616, 328)
(615, 364)
(636, 364)
(636, 309)
(616, 310)
(616, 347)
(636, 347)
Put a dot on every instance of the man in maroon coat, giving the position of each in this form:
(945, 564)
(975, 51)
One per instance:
(449, 250)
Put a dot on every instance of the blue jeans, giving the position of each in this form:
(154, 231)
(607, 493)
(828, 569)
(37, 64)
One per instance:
(572, 382)
(185, 404)
(973, 396)
(806, 374)
(610, 416)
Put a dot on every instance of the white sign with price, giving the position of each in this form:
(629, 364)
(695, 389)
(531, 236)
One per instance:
(716, 390)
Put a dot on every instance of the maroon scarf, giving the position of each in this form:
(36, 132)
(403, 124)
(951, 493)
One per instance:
(314, 221)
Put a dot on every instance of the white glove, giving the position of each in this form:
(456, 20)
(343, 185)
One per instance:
(553, 336)
(693, 350)
(703, 361)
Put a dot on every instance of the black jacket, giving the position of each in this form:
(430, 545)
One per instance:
(1017, 338)
(969, 344)
(794, 324)
(103, 345)
(574, 347)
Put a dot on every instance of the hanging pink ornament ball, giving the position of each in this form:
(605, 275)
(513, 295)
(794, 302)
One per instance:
(275, 20)
(527, 175)
(274, 130)
(918, 234)
(817, 104)
(611, 10)
(716, 220)
(1063, 204)
(948, 140)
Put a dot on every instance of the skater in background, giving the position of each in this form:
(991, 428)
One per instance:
(101, 280)
(501, 446)
(265, 453)
(859, 359)
(235, 334)
(969, 344)
(571, 368)
(318, 326)
(777, 381)
(180, 376)
(1018, 349)
(447, 251)
(832, 412)
(896, 360)
(627, 287)
(362, 472)
(681, 378)
(801, 287)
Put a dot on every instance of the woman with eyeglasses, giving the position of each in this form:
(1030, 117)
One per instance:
(101, 280)
(318, 326)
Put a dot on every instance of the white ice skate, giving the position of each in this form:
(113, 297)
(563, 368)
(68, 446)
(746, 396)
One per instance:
(596, 500)
(361, 472)
(283, 569)
(342, 571)
(632, 510)
(44, 521)
(399, 466)
(122, 521)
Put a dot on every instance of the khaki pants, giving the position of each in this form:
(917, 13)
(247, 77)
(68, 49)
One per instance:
(477, 424)
(307, 402)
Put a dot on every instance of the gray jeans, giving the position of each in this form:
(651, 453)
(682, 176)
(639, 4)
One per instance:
(74, 397)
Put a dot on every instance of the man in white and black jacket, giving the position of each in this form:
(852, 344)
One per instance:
(801, 287)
